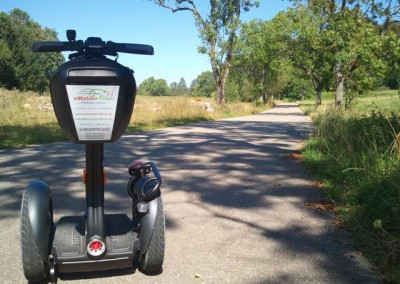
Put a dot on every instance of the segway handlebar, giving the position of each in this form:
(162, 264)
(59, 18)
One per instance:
(134, 48)
(93, 45)
(57, 46)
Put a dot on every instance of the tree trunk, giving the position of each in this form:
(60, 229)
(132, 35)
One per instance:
(318, 99)
(317, 87)
(339, 94)
(221, 92)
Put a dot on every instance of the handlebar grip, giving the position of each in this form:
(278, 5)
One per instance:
(134, 48)
(56, 46)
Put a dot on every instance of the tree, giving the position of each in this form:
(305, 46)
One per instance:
(153, 87)
(217, 31)
(8, 77)
(181, 87)
(356, 54)
(391, 56)
(174, 88)
(298, 86)
(351, 28)
(309, 45)
(350, 43)
(262, 55)
(19, 67)
(204, 85)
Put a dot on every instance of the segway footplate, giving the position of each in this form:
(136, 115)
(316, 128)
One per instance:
(69, 246)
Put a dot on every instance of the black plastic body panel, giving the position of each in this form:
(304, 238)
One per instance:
(70, 242)
(93, 265)
(93, 71)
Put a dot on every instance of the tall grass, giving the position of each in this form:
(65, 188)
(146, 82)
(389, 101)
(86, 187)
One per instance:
(357, 157)
(159, 112)
(27, 118)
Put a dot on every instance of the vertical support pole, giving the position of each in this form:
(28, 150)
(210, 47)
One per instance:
(95, 191)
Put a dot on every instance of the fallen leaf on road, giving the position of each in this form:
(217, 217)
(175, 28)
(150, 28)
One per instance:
(293, 156)
(324, 205)
(318, 184)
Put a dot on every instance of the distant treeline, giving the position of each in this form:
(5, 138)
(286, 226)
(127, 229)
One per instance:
(202, 86)
(296, 55)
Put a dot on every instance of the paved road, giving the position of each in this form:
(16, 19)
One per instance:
(234, 203)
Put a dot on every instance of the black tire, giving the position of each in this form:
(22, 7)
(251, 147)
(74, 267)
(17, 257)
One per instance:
(153, 258)
(35, 266)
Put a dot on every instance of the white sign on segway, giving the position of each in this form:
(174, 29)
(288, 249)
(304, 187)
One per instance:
(93, 109)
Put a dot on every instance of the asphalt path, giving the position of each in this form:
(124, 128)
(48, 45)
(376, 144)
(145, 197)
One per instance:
(234, 203)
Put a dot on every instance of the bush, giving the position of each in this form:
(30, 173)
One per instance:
(297, 89)
(358, 156)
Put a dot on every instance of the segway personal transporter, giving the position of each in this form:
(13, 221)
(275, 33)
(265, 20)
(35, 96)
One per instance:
(93, 98)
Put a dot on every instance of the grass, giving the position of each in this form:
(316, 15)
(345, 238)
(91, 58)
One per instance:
(382, 101)
(356, 155)
(27, 118)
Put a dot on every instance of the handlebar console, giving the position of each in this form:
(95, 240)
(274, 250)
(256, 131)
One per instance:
(93, 45)
(93, 96)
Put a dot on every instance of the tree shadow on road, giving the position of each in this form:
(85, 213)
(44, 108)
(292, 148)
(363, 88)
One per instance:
(222, 164)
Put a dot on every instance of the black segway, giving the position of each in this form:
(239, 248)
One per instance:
(93, 98)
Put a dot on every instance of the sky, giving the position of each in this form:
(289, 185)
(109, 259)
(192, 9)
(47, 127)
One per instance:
(174, 36)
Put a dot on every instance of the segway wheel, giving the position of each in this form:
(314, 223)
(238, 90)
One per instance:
(35, 262)
(153, 258)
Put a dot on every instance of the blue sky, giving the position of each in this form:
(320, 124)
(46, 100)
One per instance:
(174, 36)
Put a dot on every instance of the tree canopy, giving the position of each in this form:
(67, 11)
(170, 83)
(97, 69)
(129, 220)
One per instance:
(154, 87)
(204, 85)
(218, 32)
(346, 46)
(19, 67)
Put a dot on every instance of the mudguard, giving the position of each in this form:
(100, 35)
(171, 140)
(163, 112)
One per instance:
(147, 223)
(39, 196)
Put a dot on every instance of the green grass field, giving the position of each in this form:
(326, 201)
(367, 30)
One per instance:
(383, 101)
(355, 154)
(27, 118)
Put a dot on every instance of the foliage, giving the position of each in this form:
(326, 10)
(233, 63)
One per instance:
(391, 56)
(153, 87)
(352, 39)
(239, 88)
(181, 88)
(357, 158)
(218, 32)
(356, 50)
(298, 87)
(262, 56)
(19, 67)
(309, 45)
(204, 85)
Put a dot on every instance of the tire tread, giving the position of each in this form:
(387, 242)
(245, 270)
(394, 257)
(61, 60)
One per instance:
(153, 258)
(34, 267)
